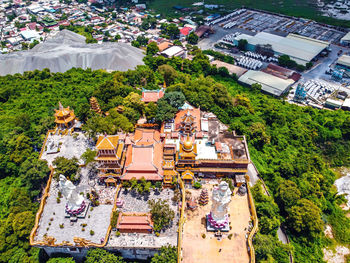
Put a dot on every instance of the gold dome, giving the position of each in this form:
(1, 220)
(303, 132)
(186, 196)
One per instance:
(187, 145)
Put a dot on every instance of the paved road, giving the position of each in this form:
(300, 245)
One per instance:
(318, 72)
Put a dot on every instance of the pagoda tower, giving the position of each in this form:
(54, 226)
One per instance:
(204, 198)
(64, 117)
(187, 125)
(95, 106)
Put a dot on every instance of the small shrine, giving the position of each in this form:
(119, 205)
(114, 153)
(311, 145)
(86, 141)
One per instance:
(64, 117)
(204, 197)
(218, 218)
(132, 222)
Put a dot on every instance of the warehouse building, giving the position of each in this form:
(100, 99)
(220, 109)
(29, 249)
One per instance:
(299, 48)
(345, 41)
(269, 84)
(344, 62)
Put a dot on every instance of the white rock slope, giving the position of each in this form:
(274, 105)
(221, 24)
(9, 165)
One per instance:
(67, 50)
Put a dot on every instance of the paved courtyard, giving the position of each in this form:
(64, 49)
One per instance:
(97, 219)
(69, 146)
(195, 248)
(134, 202)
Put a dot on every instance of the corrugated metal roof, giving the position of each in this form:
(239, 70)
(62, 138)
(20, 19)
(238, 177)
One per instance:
(269, 83)
(346, 37)
(302, 50)
(344, 60)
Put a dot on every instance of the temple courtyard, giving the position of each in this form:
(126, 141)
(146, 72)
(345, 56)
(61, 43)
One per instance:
(198, 245)
(66, 146)
(134, 202)
(55, 223)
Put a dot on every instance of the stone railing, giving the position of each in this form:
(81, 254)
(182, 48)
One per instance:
(44, 143)
(254, 218)
(41, 208)
(181, 221)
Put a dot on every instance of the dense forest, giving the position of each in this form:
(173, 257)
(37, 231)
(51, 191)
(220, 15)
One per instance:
(294, 148)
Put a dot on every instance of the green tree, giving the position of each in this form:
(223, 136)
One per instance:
(168, 254)
(135, 43)
(242, 44)
(192, 38)
(61, 260)
(305, 218)
(176, 98)
(168, 72)
(287, 194)
(88, 156)
(151, 110)
(165, 111)
(152, 48)
(162, 214)
(66, 167)
(101, 255)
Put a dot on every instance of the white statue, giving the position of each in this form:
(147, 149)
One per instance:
(221, 199)
(75, 201)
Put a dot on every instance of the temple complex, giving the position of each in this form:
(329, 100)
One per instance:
(64, 117)
(105, 207)
(203, 146)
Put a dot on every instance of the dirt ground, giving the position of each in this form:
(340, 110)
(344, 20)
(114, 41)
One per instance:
(209, 249)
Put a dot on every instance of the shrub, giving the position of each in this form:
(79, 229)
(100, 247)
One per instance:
(229, 236)
(114, 219)
(92, 232)
(58, 200)
(61, 226)
(197, 185)
(117, 233)
(157, 234)
(203, 236)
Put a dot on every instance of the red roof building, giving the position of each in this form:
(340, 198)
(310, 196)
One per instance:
(152, 95)
(185, 31)
(135, 223)
(144, 156)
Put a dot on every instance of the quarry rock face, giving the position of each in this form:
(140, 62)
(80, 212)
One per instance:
(67, 50)
(343, 186)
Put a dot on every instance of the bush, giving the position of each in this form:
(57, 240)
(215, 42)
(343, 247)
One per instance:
(92, 232)
(203, 236)
(229, 236)
(58, 200)
(197, 185)
(61, 226)
(117, 233)
(114, 219)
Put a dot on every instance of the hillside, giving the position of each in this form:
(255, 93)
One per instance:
(293, 147)
(68, 50)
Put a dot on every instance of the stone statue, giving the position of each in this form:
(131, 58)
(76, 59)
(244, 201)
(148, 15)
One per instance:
(75, 202)
(218, 216)
(221, 199)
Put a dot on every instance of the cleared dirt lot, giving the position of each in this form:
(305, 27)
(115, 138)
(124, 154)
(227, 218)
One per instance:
(209, 249)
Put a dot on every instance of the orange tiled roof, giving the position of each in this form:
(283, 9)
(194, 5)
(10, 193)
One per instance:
(145, 156)
(195, 112)
(134, 221)
(109, 142)
(152, 95)
(164, 45)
